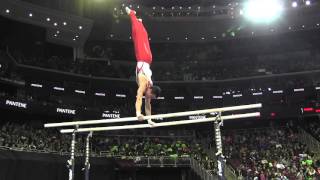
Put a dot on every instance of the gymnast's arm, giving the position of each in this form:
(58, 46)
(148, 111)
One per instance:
(147, 106)
(142, 81)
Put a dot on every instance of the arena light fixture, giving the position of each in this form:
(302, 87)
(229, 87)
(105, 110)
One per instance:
(121, 95)
(7, 11)
(58, 88)
(308, 109)
(217, 97)
(278, 92)
(237, 95)
(294, 4)
(48, 19)
(262, 11)
(308, 2)
(30, 14)
(100, 94)
(80, 91)
(36, 85)
(298, 90)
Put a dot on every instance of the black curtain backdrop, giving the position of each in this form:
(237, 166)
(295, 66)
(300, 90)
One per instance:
(16, 165)
(159, 174)
(36, 166)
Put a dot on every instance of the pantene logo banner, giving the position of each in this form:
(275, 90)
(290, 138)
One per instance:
(16, 104)
(66, 111)
(111, 115)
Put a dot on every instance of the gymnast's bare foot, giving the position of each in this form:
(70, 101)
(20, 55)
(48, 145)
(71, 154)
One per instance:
(128, 10)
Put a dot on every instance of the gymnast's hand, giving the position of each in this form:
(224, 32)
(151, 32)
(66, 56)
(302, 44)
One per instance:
(140, 117)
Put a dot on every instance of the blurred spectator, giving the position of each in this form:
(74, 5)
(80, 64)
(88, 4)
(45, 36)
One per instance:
(195, 64)
(269, 153)
(26, 137)
(313, 127)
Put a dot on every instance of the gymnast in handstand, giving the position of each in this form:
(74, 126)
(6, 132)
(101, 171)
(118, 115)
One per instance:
(143, 71)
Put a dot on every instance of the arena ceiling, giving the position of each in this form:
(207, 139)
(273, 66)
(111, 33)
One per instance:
(184, 20)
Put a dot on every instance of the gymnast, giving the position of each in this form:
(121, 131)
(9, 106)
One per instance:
(143, 71)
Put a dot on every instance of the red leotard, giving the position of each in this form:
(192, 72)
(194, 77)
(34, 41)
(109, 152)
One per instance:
(140, 40)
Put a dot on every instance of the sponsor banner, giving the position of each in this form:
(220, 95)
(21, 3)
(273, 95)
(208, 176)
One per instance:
(17, 104)
(111, 114)
(66, 111)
